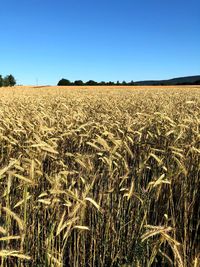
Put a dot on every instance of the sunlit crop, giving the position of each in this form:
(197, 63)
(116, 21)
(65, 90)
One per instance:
(99, 177)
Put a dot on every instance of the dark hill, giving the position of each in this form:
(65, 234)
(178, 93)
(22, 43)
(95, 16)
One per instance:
(175, 81)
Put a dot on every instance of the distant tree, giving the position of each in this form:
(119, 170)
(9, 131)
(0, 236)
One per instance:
(197, 82)
(118, 83)
(12, 80)
(111, 83)
(91, 82)
(1, 81)
(9, 80)
(5, 81)
(131, 82)
(78, 82)
(64, 82)
(102, 83)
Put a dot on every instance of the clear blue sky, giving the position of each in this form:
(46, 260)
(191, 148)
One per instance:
(99, 39)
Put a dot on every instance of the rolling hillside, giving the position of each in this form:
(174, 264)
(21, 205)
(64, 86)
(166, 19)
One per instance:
(175, 81)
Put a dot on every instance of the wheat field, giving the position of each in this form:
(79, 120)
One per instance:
(93, 177)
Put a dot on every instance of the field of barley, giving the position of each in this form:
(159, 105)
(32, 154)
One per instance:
(100, 177)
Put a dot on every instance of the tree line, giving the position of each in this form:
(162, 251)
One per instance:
(185, 81)
(8, 80)
(66, 82)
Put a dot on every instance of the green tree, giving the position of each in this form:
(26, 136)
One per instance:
(1, 81)
(6, 81)
(131, 82)
(64, 82)
(91, 82)
(111, 83)
(102, 83)
(78, 82)
(9, 80)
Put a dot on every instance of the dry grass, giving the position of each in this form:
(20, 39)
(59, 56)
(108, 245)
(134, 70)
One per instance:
(99, 176)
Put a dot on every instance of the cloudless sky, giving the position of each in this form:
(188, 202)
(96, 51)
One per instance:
(101, 40)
